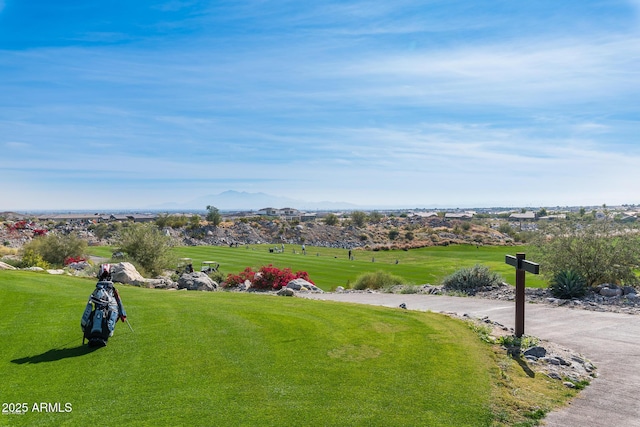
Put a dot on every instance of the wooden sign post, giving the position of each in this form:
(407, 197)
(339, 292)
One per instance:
(522, 266)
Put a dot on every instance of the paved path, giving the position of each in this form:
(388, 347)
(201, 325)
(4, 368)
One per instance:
(610, 340)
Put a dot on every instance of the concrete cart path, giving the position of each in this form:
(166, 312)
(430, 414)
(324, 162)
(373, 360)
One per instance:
(610, 340)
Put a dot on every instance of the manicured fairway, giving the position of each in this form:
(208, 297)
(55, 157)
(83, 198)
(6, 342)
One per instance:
(329, 268)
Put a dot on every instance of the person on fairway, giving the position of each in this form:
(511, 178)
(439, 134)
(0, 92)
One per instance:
(103, 310)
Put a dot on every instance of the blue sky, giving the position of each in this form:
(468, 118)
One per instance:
(128, 104)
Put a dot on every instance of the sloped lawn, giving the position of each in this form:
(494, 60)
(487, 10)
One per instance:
(230, 359)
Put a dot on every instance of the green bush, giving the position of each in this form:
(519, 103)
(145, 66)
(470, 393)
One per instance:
(377, 280)
(32, 259)
(471, 280)
(54, 249)
(147, 246)
(331, 219)
(568, 284)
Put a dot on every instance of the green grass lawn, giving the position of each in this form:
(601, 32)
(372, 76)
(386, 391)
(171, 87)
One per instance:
(222, 359)
(330, 268)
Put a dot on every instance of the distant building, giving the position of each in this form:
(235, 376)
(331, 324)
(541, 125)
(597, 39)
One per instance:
(459, 215)
(269, 212)
(529, 215)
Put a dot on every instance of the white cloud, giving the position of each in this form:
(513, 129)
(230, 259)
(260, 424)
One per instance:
(523, 73)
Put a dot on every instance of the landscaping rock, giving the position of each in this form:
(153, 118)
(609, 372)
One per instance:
(83, 265)
(196, 281)
(301, 284)
(536, 352)
(610, 292)
(286, 292)
(5, 266)
(125, 272)
(161, 283)
(58, 271)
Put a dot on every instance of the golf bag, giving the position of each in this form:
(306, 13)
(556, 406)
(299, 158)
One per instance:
(101, 314)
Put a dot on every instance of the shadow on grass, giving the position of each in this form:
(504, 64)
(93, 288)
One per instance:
(517, 356)
(56, 354)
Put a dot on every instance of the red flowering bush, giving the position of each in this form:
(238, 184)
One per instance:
(267, 278)
(71, 260)
(234, 280)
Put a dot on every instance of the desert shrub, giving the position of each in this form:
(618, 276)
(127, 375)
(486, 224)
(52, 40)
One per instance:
(471, 280)
(54, 249)
(377, 280)
(147, 246)
(602, 251)
(409, 235)
(30, 258)
(331, 219)
(358, 218)
(505, 228)
(216, 276)
(568, 284)
(393, 234)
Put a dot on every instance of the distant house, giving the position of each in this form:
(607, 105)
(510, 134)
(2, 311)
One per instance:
(289, 212)
(133, 217)
(529, 215)
(425, 214)
(459, 215)
(308, 216)
(269, 212)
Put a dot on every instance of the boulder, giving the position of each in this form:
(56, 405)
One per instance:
(5, 266)
(610, 292)
(58, 271)
(286, 292)
(536, 352)
(301, 284)
(125, 272)
(83, 265)
(196, 281)
(161, 283)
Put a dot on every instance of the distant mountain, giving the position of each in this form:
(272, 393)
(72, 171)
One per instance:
(242, 200)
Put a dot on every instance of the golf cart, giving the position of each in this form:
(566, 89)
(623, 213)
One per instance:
(209, 267)
(185, 265)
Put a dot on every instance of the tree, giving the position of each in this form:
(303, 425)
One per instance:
(146, 245)
(600, 251)
(213, 215)
(358, 218)
(331, 219)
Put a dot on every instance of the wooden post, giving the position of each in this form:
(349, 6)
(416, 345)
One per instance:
(522, 266)
(520, 296)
